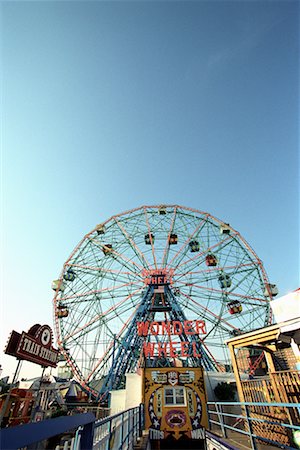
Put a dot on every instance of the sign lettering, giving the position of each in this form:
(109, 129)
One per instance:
(34, 346)
(171, 348)
(188, 327)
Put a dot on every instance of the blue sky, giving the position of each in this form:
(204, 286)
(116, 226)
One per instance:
(107, 106)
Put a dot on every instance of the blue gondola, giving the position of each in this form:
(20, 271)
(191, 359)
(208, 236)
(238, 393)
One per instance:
(194, 246)
(224, 280)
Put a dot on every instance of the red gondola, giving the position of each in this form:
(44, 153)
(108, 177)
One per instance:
(62, 311)
(173, 239)
(211, 260)
(235, 307)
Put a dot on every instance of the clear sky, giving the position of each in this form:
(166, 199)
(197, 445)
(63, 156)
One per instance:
(109, 105)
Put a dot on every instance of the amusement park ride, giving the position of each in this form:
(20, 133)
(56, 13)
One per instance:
(156, 287)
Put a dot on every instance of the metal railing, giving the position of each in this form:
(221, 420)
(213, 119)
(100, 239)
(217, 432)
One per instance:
(257, 421)
(120, 431)
(79, 432)
(33, 435)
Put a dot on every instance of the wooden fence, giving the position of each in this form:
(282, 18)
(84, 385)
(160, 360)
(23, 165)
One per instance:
(281, 387)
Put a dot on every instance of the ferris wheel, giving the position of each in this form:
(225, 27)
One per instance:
(158, 265)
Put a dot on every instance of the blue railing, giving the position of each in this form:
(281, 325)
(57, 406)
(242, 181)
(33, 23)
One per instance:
(21, 436)
(117, 432)
(120, 431)
(247, 422)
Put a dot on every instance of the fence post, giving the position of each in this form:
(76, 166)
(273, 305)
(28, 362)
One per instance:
(252, 438)
(220, 415)
(87, 435)
(122, 430)
(141, 419)
(110, 434)
(129, 428)
(134, 423)
(223, 421)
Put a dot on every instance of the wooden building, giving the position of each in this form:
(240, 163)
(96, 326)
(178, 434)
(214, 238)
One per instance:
(275, 377)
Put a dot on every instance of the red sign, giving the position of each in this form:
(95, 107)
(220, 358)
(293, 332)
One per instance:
(158, 277)
(34, 346)
(174, 327)
(173, 349)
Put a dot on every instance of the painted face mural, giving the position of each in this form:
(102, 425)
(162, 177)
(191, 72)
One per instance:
(176, 418)
(173, 378)
(175, 400)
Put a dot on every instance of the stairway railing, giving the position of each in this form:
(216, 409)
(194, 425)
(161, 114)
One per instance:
(270, 423)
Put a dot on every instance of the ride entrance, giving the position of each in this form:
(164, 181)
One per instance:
(156, 286)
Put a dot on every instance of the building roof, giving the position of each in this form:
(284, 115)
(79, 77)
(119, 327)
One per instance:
(266, 335)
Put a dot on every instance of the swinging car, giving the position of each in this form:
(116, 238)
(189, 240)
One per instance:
(173, 239)
(225, 281)
(100, 228)
(225, 228)
(194, 246)
(69, 275)
(211, 260)
(162, 210)
(56, 283)
(272, 288)
(148, 238)
(234, 307)
(62, 311)
(107, 249)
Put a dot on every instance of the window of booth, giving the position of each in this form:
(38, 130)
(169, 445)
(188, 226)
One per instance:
(174, 396)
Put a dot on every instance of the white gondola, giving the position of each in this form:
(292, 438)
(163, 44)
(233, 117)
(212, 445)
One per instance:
(225, 228)
(162, 210)
(271, 288)
(58, 285)
(100, 228)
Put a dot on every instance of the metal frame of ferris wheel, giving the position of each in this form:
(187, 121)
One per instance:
(130, 279)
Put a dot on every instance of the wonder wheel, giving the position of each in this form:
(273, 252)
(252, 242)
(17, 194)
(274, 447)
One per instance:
(157, 285)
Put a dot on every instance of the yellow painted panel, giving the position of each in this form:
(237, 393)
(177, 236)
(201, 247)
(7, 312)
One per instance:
(175, 403)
